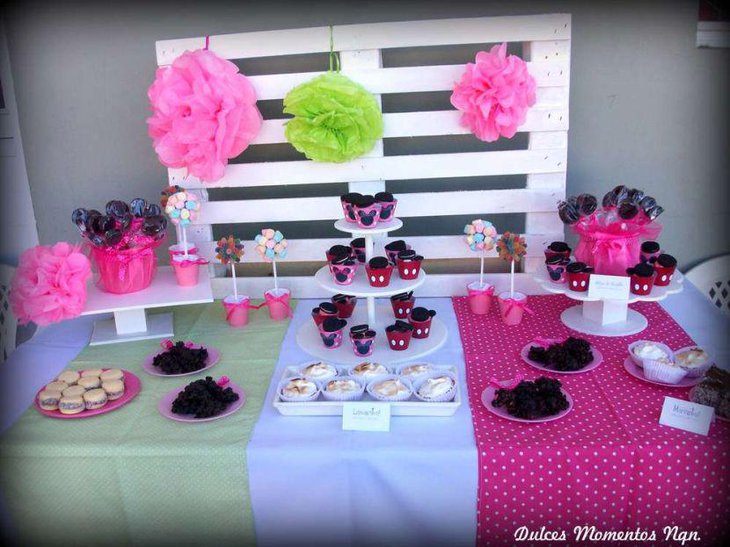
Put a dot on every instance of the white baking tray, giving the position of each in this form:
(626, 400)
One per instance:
(411, 407)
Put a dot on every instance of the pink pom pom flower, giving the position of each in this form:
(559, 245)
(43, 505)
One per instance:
(50, 284)
(494, 94)
(204, 113)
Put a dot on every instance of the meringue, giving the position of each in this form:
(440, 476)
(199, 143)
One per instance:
(436, 387)
(391, 388)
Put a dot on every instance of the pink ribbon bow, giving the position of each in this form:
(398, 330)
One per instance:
(511, 303)
(489, 292)
(275, 300)
(188, 263)
(231, 307)
(506, 384)
(223, 380)
(545, 342)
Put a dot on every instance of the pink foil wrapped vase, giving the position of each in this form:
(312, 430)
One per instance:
(125, 271)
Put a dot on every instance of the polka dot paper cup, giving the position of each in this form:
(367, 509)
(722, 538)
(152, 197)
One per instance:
(371, 389)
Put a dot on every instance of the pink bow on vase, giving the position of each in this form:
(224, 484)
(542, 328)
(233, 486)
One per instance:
(511, 303)
(276, 300)
(187, 263)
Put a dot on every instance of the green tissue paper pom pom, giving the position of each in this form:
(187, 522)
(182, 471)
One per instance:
(335, 119)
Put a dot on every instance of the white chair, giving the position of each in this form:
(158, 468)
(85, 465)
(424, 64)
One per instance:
(712, 278)
(8, 322)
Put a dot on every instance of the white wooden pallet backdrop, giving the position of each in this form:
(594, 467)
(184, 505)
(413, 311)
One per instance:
(546, 47)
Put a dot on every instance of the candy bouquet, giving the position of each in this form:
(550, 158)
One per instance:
(182, 207)
(272, 245)
(611, 236)
(122, 242)
(480, 237)
(512, 304)
(229, 251)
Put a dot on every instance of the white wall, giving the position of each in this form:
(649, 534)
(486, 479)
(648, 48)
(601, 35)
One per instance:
(648, 108)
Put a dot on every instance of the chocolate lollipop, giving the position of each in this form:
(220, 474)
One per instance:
(116, 208)
(587, 204)
(79, 217)
(113, 237)
(154, 226)
(612, 198)
(151, 210)
(568, 213)
(635, 195)
(137, 206)
(647, 202)
(101, 224)
(653, 212)
(627, 210)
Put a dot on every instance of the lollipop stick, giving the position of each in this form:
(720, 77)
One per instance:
(481, 271)
(512, 279)
(276, 283)
(235, 289)
(185, 240)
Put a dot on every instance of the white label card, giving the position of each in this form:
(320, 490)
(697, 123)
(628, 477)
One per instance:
(686, 415)
(609, 287)
(366, 416)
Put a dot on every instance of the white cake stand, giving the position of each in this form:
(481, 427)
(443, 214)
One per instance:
(377, 317)
(607, 317)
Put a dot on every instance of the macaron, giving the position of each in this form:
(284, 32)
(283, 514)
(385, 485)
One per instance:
(91, 372)
(89, 382)
(56, 386)
(74, 391)
(111, 374)
(71, 405)
(114, 389)
(69, 376)
(95, 398)
(48, 399)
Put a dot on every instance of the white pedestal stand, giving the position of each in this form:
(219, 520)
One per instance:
(131, 321)
(377, 317)
(607, 317)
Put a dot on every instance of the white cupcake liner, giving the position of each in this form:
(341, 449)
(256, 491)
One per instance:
(303, 399)
(638, 360)
(403, 397)
(444, 398)
(698, 370)
(400, 368)
(657, 371)
(351, 396)
(302, 366)
(366, 379)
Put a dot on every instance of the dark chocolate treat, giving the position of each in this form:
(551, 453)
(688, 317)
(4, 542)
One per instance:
(572, 354)
(531, 400)
(357, 329)
(666, 261)
(351, 197)
(556, 259)
(386, 197)
(650, 247)
(588, 269)
(627, 210)
(342, 298)
(576, 267)
(358, 243)
(399, 326)
(635, 195)
(653, 212)
(407, 255)
(587, 204)
(398, 245)
(328, 307)
(365, 201)
(378, 262)
(404, 296)
(643, 269)
(333, 324)
(340, 250)
(647, 202)
(568, 213)
(559, 247)
(203, 399)
(422, 314)
(363, 334)
(180, 359)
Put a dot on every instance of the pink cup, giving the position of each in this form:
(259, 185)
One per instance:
(512, 309)
(237, 310)
(277, 300)
(187, 269)
(480, 297)
(179, 249)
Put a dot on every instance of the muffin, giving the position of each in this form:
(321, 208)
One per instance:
(48, 399)
(298, 389)
(342, 389)
(693, 359)
(95, 399)
(368, 370)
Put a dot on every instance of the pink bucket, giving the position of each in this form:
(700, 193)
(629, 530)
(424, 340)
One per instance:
(187, 269)
(237, 310)
(179, 249)
(277, 300)
(480, 297)
(123, 272)
(512, 309)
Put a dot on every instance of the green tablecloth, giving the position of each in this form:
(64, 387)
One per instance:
(132, 476)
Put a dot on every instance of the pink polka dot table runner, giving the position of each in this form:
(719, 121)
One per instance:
(608, 463)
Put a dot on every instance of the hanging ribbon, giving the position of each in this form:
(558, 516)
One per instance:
(334, 58)
(187, 263)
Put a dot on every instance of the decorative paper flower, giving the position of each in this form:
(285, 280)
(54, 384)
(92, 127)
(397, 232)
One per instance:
(167, 192)
(511, 247)
(494, 94)
(335, 119)
(480, 235)
(50, 284)
(229, 249)
(204, 113)
(271, 244)
(182, 208)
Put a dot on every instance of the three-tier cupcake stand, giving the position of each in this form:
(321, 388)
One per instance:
(376, 315)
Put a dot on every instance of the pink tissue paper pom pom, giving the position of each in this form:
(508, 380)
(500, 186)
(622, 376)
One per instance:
(494, 94)
(50, 284)
(204, 113)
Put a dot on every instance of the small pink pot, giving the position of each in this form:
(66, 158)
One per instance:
(512, 309)
(237, 310)
(364, 346)
(331, 340)
(367, 217)
(344, 274)
(179, 249)
(187, 269)
(278, 303)
(480, 297)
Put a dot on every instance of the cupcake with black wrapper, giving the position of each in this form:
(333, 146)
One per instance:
(347, 201)
(367, 212)
(399, 335)
(379, 271)
(420, 320)
(409, 264)
(330, 330)
(665, 266)
(387, 205)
